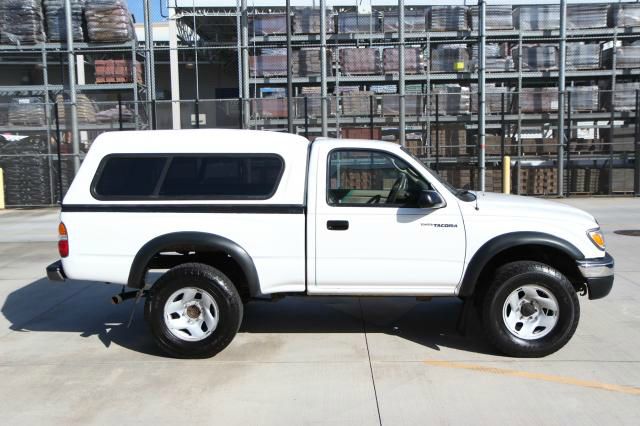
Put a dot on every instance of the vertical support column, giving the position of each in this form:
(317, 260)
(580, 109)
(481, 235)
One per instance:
(636, 160)
(323, 68)
(147, 57)
(612, 126)
(561, 90)
(519, 147)
(290, 114)
(239, 59)
(174, 71)
(481, 91)
(401, 75)
(244, 22)
(75, 134)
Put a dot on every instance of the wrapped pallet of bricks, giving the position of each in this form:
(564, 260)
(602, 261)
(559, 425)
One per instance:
(413, 60)
(269, 107)
(268, 24)
(116, 71)
(451, 99)
(306, 62)
(626, 56)
(621, 140)
(583, 56)
(26, 172)
(626, 14)
(539, 99)
(460, 177)
(27, 111)
(307, 21)
(450, 141)
(312, 97)
(86, 108)
(540, 17)
(54, 13)
(498, 17)
(414, 21)
(360, 61)
(449, 18)
(583, 98)
(493, 180)
(269, 63)
(109, 21)
(357, 23)
(358, 103)
(538, 181)
(582, 16)
(536, 57)
(623, 97)
(497, 57)
(113, 114)
(450, 58)
(21, 22)
(493, 98)
(414, 105)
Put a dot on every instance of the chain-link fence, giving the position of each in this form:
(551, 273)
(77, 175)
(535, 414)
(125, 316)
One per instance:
(224, 65)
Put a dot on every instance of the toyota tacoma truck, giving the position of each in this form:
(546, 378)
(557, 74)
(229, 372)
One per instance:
(227, 216)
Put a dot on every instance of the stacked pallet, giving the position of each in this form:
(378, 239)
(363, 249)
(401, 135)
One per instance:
(306, 62)
(538, 181)
(360, 179)
(626, 15)
(541, 17)
(493, 180)
(414, 105)
(452, 99)
(358, 103)
(114, 114)
(307, 21)
(498, 17)
(413, 60)
(360, 61)
(28, 111)
(493, 98)
(314, 102)
(21, 22)
(268, 24)
(497, 57)
(536, 57)
(449, 18)
(583, 56)
(626, 56)
(86, 108)
(539, 99)
(109, 21)
(584, 98)
(356, 23)
(622, 99)
(622, 139)
(414, 21)
(493, 145)
(116, 71)
(450, 58)
(26, 172)
(583, 180)
(269, 107)
(56, 22)
(581, 16)
(450, 141)
(461, 178)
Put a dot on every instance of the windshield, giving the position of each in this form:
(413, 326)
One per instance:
(462, 194)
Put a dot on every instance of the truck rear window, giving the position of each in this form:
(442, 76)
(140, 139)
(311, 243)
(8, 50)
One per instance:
(218, 176)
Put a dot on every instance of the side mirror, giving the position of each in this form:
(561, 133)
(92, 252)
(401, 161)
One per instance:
(429, 199)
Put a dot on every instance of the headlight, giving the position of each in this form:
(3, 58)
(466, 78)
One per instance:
(596, 238)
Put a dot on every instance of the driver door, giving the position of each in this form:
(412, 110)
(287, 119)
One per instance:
(371, 238)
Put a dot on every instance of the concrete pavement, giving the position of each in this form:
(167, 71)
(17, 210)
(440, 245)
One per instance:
(66, 356)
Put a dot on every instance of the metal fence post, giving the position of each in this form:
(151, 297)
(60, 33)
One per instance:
(437, 134)
(197, 111)
(120, 124)
(370, 116)
(636, 160)
(561, 93)
(481, 92)
(58, 151)
(306, 117)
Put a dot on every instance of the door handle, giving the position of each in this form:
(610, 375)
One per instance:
(337, 225)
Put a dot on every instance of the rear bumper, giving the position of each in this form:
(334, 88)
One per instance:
(598, 274)
(55, 272)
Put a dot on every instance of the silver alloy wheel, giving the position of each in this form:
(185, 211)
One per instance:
(191, 314)
(530, 312)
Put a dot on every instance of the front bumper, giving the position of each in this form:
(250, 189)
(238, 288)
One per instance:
(598, 274)
(55, 272)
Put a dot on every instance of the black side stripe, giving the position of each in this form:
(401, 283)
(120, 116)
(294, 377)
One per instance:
(186, 208)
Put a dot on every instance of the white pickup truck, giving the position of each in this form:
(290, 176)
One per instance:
(233, 215)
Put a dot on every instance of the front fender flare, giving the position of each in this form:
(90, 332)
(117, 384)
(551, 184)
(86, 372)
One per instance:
(498, 244)
(193, 241)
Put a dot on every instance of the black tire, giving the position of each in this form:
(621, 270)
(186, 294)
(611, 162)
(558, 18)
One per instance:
(507, 279)
(214, 282)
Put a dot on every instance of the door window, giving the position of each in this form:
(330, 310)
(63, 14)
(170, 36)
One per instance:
(371, 178)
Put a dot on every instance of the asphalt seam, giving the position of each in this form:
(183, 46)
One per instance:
(366, 342)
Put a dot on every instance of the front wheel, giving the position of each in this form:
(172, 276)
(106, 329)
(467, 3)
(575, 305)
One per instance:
(194, 311)
(530, 310)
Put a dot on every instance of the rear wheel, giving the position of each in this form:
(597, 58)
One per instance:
(530, 310)
(194, 311)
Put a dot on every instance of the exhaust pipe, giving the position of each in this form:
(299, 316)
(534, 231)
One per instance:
(121, 297)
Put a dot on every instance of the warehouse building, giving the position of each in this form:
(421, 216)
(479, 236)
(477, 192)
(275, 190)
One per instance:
(223, 63)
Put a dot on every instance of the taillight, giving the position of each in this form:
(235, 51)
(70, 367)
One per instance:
(63, 240)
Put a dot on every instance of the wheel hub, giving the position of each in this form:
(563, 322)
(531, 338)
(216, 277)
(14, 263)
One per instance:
(193, 311)
(527, 309)
(191, 314)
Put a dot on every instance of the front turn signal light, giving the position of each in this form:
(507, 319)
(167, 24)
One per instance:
(596, 237)
(63, 240)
